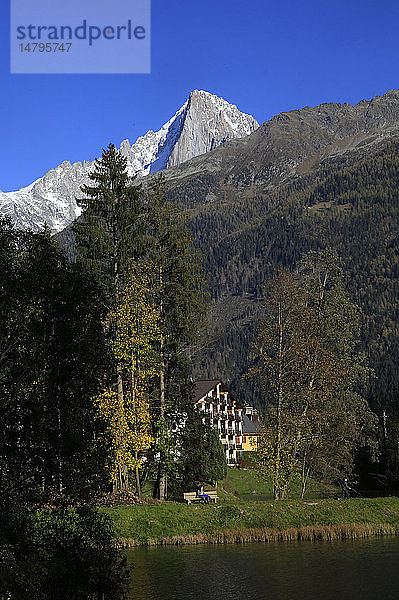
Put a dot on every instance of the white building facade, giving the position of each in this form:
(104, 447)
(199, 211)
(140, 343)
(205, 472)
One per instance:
(225, 413)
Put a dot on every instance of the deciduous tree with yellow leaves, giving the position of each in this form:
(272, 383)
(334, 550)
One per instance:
(128, 431)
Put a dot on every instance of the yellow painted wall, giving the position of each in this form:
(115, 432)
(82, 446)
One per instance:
(250, 444)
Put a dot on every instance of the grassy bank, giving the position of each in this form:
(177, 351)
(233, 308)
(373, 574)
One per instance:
(174, 523)
(246, 512)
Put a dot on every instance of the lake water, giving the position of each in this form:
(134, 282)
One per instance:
(357, 570)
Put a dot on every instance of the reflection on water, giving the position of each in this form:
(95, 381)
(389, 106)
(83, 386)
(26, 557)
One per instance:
(357, 570)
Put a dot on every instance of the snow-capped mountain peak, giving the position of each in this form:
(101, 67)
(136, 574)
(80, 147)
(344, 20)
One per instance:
(200, 125)
(203, 122)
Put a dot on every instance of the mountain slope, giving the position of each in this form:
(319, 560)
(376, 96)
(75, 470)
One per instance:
(327, 176)
(201, 124)
(292, 144)
(351, 206)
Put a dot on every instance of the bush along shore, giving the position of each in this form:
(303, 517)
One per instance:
(173, 523)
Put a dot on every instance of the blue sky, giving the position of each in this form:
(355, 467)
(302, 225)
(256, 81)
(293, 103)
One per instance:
(264, 56)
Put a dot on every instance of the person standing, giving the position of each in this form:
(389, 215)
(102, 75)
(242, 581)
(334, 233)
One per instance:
(345, 488)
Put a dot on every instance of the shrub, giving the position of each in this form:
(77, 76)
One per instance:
(62, 554)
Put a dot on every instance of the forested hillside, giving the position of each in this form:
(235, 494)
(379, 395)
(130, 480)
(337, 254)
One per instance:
(348, 204)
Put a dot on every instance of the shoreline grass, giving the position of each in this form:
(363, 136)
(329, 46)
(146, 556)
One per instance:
(350, 531)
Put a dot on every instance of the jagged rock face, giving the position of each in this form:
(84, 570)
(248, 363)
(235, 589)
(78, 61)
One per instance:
(201, 124)
(208, 122)
(151, 152)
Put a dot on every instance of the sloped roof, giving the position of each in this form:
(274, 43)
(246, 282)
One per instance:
(249, 426)
(203, 386)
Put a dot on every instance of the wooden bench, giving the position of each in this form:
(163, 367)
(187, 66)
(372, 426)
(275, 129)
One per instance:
(192, 496)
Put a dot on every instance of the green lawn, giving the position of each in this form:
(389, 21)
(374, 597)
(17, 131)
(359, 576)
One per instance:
(239, 509)
(152, 521)
(247, 485)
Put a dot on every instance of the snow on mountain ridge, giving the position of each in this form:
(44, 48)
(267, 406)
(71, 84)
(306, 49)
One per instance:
(156, 151)
(203, 122)
(146, 149)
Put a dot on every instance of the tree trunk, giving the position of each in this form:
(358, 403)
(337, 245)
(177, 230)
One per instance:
(138, 483)
(162, 473)
(123, 475)
(304, 477)
(122, 468)
(133, 397)
(59, 459)
(155, 491)
(277, 482)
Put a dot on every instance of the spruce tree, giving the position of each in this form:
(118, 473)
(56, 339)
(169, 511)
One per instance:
(177, 289)
(107, 240)
(109, 234)
(202, 457)
(123, 225)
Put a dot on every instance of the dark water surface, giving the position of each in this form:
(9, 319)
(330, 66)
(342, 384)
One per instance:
(357, 570)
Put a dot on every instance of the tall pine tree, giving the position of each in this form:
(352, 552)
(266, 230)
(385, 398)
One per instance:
(107, 239)
(177, 289)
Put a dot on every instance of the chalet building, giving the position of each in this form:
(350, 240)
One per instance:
(227, 415)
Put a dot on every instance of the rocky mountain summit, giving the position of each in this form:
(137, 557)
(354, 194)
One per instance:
(203, 123)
